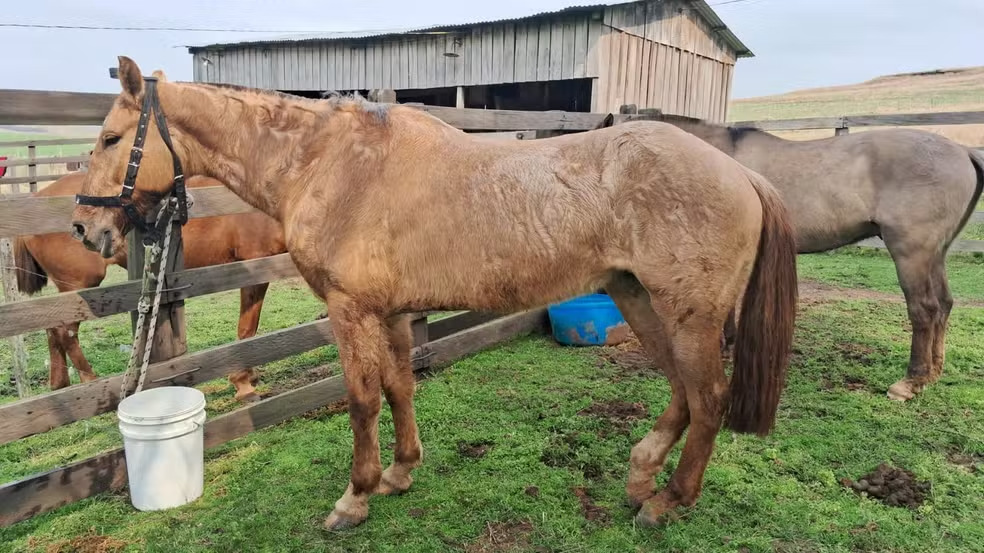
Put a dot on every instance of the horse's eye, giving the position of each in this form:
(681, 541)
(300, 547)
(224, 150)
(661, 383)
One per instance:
(110, 140)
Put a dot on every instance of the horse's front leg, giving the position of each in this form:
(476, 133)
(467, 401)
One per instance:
(363, 348)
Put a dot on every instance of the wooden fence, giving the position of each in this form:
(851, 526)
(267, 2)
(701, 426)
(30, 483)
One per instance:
(52, 167)
(436, 342)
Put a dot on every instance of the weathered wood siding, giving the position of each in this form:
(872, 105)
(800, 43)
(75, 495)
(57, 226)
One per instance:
(662, 55)
(655, 54)
(491, 54)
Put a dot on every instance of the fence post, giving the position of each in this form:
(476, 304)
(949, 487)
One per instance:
(8, 279)
(32, 169)
(170, 339)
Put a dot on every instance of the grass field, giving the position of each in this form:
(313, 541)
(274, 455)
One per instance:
(932, 91)
(526, 445)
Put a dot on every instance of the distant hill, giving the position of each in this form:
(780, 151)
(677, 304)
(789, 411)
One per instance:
(960, 89)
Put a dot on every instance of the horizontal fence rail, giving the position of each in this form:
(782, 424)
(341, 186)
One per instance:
(50, 490)
(886, 120)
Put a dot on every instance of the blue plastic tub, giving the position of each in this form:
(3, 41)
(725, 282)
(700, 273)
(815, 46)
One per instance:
(589, 320)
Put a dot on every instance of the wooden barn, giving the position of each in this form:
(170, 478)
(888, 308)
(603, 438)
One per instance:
(674, 55)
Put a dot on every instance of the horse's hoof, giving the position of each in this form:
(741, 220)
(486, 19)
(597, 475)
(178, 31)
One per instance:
(251, 397)
(340, 521)
(901, 391)
(644, 520)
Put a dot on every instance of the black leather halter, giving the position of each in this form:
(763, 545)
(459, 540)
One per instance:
(124, 200)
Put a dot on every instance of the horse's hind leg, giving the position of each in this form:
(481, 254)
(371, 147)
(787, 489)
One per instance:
(942, 287)
(649, 455)
(250, 305)
(398, 386)
(914, 266)
(698, 368)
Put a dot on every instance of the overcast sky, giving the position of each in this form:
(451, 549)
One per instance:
(797, 43)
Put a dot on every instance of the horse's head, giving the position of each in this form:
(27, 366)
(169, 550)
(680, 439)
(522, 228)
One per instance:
(131, 168)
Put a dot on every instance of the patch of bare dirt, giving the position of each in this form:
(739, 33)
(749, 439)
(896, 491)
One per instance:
(309, 376)
(90, 542)
(856, 353)
(591, 511)
(812, 292)
(475, 450)
(972, 463)
(628, 357)
(895, 487)
(532, 491)
(503, 537)
(618, 415)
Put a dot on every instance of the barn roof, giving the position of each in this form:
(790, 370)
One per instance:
(700, 6)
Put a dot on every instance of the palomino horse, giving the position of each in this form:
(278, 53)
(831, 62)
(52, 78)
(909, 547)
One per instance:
(388, 210)
(207, 241)
(914, 189)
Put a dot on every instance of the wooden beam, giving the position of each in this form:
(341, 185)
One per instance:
(27, 179)
(56, 488)
(54, 214)
(884, 120)
(43, 160)
(46, 142)
(956, 246)
(456, 323)
(92, 303)
(45, 107)
(42, 413)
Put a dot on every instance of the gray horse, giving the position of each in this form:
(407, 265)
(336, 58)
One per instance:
(914, 189)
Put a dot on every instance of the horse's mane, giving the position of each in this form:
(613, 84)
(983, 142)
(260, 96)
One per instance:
(331, 98)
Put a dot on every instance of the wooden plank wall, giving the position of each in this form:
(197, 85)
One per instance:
(658, 55)
(489, 54)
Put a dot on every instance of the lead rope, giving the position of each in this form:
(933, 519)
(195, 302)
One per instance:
(155, 253)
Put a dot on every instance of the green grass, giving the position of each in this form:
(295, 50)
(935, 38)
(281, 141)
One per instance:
(873, 269)
(270, 491)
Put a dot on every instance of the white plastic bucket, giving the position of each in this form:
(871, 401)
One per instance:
(163, 439)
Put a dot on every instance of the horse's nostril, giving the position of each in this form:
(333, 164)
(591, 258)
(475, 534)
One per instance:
(78, 231)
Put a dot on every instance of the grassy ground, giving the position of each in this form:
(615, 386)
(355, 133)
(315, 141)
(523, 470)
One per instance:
(526, 447)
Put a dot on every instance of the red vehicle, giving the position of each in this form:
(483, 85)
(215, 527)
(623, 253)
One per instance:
(3, 170)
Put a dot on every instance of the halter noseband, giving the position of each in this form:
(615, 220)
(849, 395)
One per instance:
(124, 200)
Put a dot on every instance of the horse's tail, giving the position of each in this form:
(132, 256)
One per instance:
(977, 160)
(31, 277)
(765, 328)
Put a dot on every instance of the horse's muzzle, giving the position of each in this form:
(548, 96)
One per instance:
(103, 243)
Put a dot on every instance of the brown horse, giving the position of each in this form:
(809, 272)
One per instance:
(914, 189)
(207, 241)
(389, 210)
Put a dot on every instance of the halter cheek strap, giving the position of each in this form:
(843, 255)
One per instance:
(151, 105)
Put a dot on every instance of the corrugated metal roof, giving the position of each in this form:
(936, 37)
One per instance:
(702, 8)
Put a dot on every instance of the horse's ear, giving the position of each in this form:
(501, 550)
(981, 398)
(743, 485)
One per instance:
(130, 79)
(159, 75)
